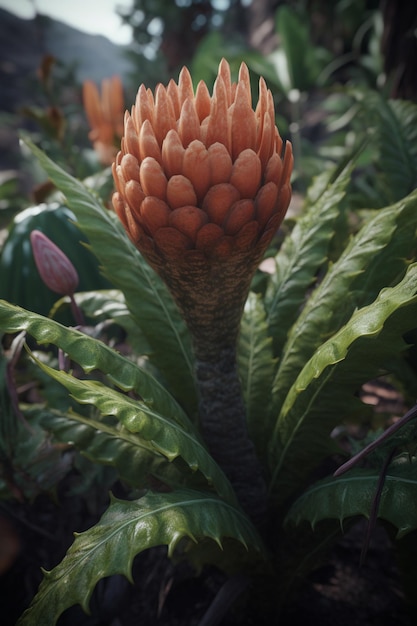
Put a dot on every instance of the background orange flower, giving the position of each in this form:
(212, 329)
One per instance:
(105, 116)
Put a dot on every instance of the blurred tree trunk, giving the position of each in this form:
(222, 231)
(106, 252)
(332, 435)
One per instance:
(181, 37)
(261, 25)
(399, 47)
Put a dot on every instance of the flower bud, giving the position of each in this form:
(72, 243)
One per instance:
(54, 267)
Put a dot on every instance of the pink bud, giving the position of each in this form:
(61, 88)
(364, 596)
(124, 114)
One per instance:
(54, 267)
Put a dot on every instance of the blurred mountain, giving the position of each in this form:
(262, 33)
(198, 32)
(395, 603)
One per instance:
(24, 43)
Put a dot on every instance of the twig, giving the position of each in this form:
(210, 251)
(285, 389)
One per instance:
(375, 506)
(411, 414)
(224, 599)
(16, 349)
(25, 522)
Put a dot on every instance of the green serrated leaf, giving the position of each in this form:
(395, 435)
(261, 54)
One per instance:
(256, 368)
(147, 298)
(353, 494)
(109, 305)
(303, 252)
(92, 354)
(30, 463)
(134, 459)
(125, 530)
(165, 436)
(323, 393)
(374, 258)
(394, 124)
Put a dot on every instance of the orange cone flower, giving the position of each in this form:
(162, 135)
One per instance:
(203, 183)
(105, 116)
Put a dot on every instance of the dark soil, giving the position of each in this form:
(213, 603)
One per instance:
(344, 593)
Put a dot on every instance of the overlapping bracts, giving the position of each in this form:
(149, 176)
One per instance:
(199, 176)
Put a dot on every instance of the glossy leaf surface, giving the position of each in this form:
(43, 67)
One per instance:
(302, 254)
(146, 296)
(125, 530)
(105, 442)
(374, 258)
(165, 437)
(323, 392)
(352, 494)
(92, 354)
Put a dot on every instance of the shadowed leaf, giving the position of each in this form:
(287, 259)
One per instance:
(125, 530)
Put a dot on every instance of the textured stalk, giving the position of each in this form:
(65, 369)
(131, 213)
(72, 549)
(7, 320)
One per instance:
(213, 316)
(223, 424)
